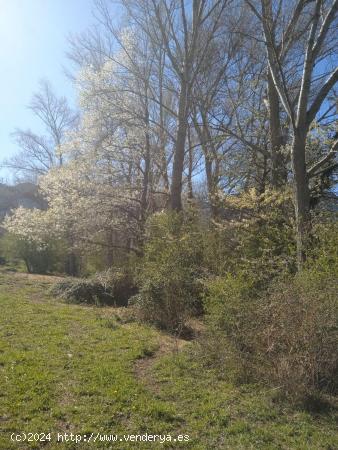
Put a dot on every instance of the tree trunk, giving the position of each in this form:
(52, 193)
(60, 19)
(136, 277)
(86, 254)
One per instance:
(178, 165)
(301, 195)
(211, 185)
(164, 167)
(190, 167)
(212, 174)
(263, 179)
(110, 250)
(144, 204)
(71, 266)
(146, 175)
(279, 174)
(190, 170)
(28, 266)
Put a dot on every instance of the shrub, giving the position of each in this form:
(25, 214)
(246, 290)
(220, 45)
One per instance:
(300, 316)
(119, 282)
(170, 271)
(323, 256)
(256, 237)
(286, 338)
(38, 258)
(230, 303)
(83, 291)
(112, 287)
(298, 338)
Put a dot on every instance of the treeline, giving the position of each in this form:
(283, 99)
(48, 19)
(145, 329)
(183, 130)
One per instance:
(200, 170)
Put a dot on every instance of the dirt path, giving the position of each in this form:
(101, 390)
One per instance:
(143, 368)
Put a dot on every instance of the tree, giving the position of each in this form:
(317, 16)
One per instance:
(307, 34)
(39, 153)
(188, 93)
(185, 32)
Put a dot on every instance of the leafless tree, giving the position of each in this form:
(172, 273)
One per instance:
(307, 36)
(38, 153)
(185, 32)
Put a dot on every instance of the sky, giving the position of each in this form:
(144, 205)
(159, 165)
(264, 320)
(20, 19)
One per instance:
(33, 37)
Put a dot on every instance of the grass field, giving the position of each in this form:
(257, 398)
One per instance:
(78, 369)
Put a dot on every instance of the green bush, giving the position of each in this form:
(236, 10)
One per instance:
(170, 272)
(38, 259)
(323, 256)
(256, 237)
(296, 345)
(285, 337)
(230, 304)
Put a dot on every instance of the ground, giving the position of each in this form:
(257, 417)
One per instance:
(77, 369)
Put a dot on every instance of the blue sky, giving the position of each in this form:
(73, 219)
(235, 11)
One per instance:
(33, 36)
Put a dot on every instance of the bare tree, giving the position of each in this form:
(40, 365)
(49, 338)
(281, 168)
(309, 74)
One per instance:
(185, 32)
(309, 35)
(38, 153)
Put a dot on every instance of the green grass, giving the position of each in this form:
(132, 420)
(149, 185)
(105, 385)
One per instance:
(71, 368)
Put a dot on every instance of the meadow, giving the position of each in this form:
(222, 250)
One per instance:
(78, 369)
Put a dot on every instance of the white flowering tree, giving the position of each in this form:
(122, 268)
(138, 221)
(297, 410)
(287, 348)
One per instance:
(102, 195)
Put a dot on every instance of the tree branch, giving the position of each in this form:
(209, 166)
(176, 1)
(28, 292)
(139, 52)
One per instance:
(320, 97)
(312, 171)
